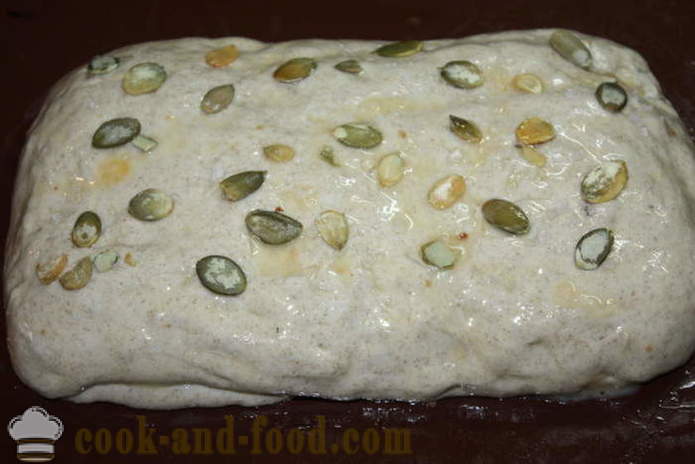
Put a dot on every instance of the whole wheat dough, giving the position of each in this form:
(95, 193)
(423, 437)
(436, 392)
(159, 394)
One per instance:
(514, 316)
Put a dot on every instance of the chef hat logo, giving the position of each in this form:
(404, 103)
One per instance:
(35, 432)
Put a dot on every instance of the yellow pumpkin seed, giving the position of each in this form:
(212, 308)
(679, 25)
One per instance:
(529, 83)
(389, 170)
(533, 156)
(49, 270)
(333, 228)
(447, 191)
(279, 153)
(534, 131)
(222, 56)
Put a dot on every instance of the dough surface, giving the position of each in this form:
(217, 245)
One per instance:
(513, 316)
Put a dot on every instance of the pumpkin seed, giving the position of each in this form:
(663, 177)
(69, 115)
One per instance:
(533, 156)
(143, 78)
(604, 182)
(349, 66)
(438, 254)
(593, 248)
(145, 143)
(529, 83)
(78, 276)
(506, 216)
(400, 49)
(571, 48)
(221, 275)
(389, 171)
(328, 155)
(278, 152)
(105, 260)
(129, 259)
(465, 129)
(358, 135)
(86, 230)
(611, 96)
(295, 70)
(446, 191)
(462, 74)
(102, 64)
(241, 185)
(333, 228)
(50, 270)
(273, 227)
(116, 132)
(217, 99)
(151, 205)
(223, 56)
(534, 131)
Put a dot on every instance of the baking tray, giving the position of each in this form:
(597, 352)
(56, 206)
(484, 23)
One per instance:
(42, 40)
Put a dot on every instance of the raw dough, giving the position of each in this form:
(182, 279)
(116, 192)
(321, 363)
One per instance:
(514, 315)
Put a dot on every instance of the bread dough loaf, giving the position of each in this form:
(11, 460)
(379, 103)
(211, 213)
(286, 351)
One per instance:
(513, 316)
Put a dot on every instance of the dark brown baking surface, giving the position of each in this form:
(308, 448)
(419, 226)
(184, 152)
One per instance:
(42, 40)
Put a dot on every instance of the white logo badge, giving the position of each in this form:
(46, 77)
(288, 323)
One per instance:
(35, 432)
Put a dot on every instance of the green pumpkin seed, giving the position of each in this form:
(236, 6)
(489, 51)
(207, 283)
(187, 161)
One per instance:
(506, 216)
(151, 205)
(116, 132)
(78, 276)
(529, 83)
(462, 74)
(105, 260)
(279, 153)
(102, 64)
(389, 170)
(49, 270)
(145, 143)
(438, 254)
(400, 49)
(295, 70)
(349, 66)
(328, 155)
(86, 230)
(358, 135)
(217, 99)
(446, 191)
(593, 248)
(272, 227)
(534, 131)
(143, 78)
(604, 182)
(611, 96)
(221, 275)
(571, 48)
(333, 228)
(241, 185)
(465, 129)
